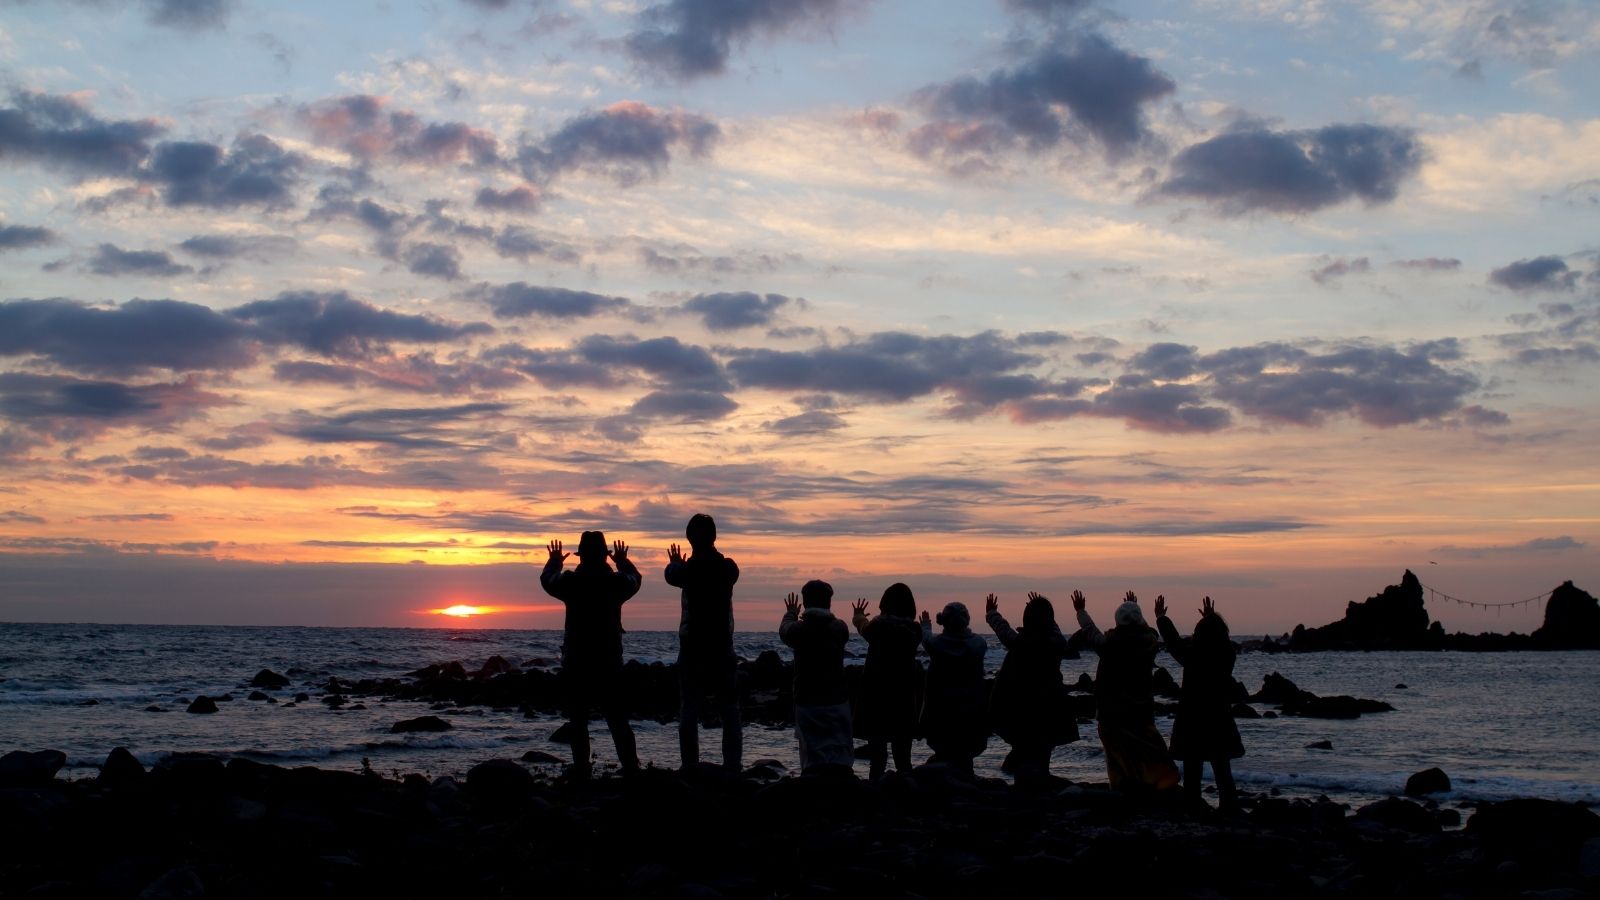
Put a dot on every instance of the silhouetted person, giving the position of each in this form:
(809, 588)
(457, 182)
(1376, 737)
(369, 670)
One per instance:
(1124, 695)
(1028, 708)
(821, 700)
(887, 716)
(706, 664)
(952, 713)
(1203, 730)
(591, 647)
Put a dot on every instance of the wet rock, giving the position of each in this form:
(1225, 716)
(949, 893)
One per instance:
(121, 769)
(768, 671)
(1428, 781)
(1339, 707)
(1320, 745)
(202, 704)
(1163, 683)
(224, 698)
(154, 708)
(494, 665)
(1245, 711)
(420, 723)
(266, 678)
(1084, 684)
(302, 697)
(1447, 818)
(19, 768)
(1399, 814)
(564, 734)
(1539, 832)
(258, 696)
(539, 756)
(1401, 687)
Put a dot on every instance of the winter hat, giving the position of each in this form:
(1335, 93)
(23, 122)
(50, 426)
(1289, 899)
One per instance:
(955, 617)
(1130, 614)
(592, 544)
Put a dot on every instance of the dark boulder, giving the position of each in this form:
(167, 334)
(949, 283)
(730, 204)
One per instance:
(1277, 689)
(495, 665)
(1571, 620)
(121, 769)
(19, 768)
(1084, 684)
(258, 696)
(499, 780)
(1541, 832)
(539, 756)
(1399, 814)
(1320, 745)
(1428, 781)
(266, 678)
(302, 697)
(564, 734)
(1163, 683)
(1338, 707)
(1393, 620)
(768, 671)
(202, 704)
(1245, 711)
(420, 723)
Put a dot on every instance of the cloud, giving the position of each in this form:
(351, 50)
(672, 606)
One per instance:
(409, 428)
(22, 237)
(1543, 273)
(815, 421)
(1330, 273)
(520, 300)
(524, 198)
(629, 142)
(730, 312)
(1139, 401)
(137, 336)
(666, 359)
(685, 39)
(18, 516)
(190, 15)
(1380, 385)
(514, 242)
(683, 406)
(363, 126)
(60, 407)
(128, 517)
(1536, 545)
(1079, 89)
(229, 247)
(1254, 169)
(1429, 264)
(887, 366)
(338, 202)
(256, 171)
(415, 373)
(336, 324)
(433, 261)
(59, 132)
(113, 261)
(1047, 8)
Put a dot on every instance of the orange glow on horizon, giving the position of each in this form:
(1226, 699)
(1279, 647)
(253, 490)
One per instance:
(463, 611)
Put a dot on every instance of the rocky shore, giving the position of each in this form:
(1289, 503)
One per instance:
(198, 827)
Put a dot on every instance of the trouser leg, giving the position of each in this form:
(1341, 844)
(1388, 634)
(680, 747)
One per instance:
(1227, 791)
(877, 757)
(732, 727)
(578, 719)
(902, 754)
(1193, 775)
(688, 720)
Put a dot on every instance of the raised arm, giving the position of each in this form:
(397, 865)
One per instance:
(927, 631)
(859, 617)
(997, 623)
(791, 617)
(627, 573)
(1091, 632)
(550, 577)
(1176, 645)
(675, 570)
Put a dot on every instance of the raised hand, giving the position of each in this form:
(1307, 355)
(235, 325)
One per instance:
(619, 551)
(1035, 595)
(555, 551)
(860, 606)
(1130, 597)
(1207, 608)
(1161, 605)
(991, 605)
(1079, 601)
(926, 620)
(791, 603)
(674, 554)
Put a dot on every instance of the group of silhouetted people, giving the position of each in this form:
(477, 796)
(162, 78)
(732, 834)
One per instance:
(948, 705)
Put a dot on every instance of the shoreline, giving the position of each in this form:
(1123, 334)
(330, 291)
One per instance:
(196, 826)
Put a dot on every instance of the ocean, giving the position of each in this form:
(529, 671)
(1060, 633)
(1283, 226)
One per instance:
(1501, 725)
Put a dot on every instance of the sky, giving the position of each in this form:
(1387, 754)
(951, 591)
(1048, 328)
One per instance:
(335, 314)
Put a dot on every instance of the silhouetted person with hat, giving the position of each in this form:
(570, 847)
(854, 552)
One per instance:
(706, 664)
(1124, 694)
(1028, 708)
(821, 699)
(1203, 730)
(591, 647)
(891, 679)
(952, 711)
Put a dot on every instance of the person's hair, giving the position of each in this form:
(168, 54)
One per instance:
(1039, 614)
(701, 530)
(1211, 630)
(592, 544)
(816, 594)
(897, 601)
(955, 616)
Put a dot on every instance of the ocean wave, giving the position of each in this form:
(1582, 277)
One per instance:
(1466, 788)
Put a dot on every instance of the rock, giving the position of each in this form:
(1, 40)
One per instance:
(1245, 711)
(1393, 620)
(89, 702)
(420, 723)
(121, 769)
(1447, 818)
(1164, 685)
(499, 780)
(1589, 858)
(225, 698)
(1320, 745)
(1278, 690)
(1270, 714)
(1428, 781)
(266, 678)
(539, 756)
(1340, 707)
(495, 665)
(302, 697)
(154, 708)
(1084, 684)
(768, 671)
(1401, 687)
(182, 883)
(1541, 832)
(1571, 620)
(1399, 814)
(202, 704)
(19, 768)
(258, 696)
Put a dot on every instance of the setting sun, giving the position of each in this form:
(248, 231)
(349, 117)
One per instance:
(462, 611)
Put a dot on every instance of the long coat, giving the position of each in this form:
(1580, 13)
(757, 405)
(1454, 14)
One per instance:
(1204, 726)
(891, 679)
(1029, 704)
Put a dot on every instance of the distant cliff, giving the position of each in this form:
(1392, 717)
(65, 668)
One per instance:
(1397, 620)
